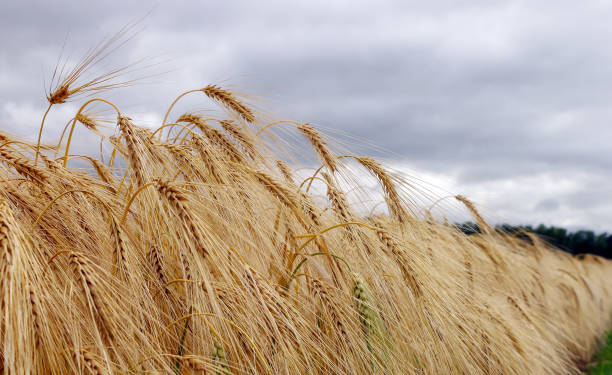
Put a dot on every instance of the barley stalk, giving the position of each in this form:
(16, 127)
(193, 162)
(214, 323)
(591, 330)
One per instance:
(135, 149)
(215, 136)
(119, 246)
(88, 362)
(241, 136)
(178, 201)
(24, 166)
(220, 360)
(482, 224)
(371, 323)
(392, 197)
(96, 302)
(104, 173)
(314, 137)
(230, 101)
(285, 170)
(401, 260)
(337, 199)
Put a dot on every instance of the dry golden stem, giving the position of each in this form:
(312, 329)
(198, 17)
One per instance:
(75, 120)
(42, 123)
(175, 101)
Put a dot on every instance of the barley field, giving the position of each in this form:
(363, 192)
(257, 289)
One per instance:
(199, 248)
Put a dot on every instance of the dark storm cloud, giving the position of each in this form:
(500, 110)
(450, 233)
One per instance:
(490, 93)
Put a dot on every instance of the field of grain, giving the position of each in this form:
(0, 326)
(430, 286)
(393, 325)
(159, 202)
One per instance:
(196, 248)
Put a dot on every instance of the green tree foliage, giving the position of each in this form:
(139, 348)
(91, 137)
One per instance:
(603, 365)
(578, 242)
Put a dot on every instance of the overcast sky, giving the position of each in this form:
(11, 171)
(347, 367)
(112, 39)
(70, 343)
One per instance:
(506, 102)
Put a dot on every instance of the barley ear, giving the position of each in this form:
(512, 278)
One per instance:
(482, 224)
(220, 360)
(316, 140)
(229, 100)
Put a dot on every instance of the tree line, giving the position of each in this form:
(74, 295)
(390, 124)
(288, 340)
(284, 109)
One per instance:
(574, 242)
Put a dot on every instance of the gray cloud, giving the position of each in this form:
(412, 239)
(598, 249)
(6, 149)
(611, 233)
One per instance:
(488, 93)
(547, 205)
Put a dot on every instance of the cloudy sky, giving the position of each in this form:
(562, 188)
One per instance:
(506, 102)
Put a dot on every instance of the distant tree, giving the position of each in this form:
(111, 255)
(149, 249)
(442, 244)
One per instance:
(579, 242)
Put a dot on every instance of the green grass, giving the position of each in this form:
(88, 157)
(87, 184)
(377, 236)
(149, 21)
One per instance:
(604, 359)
